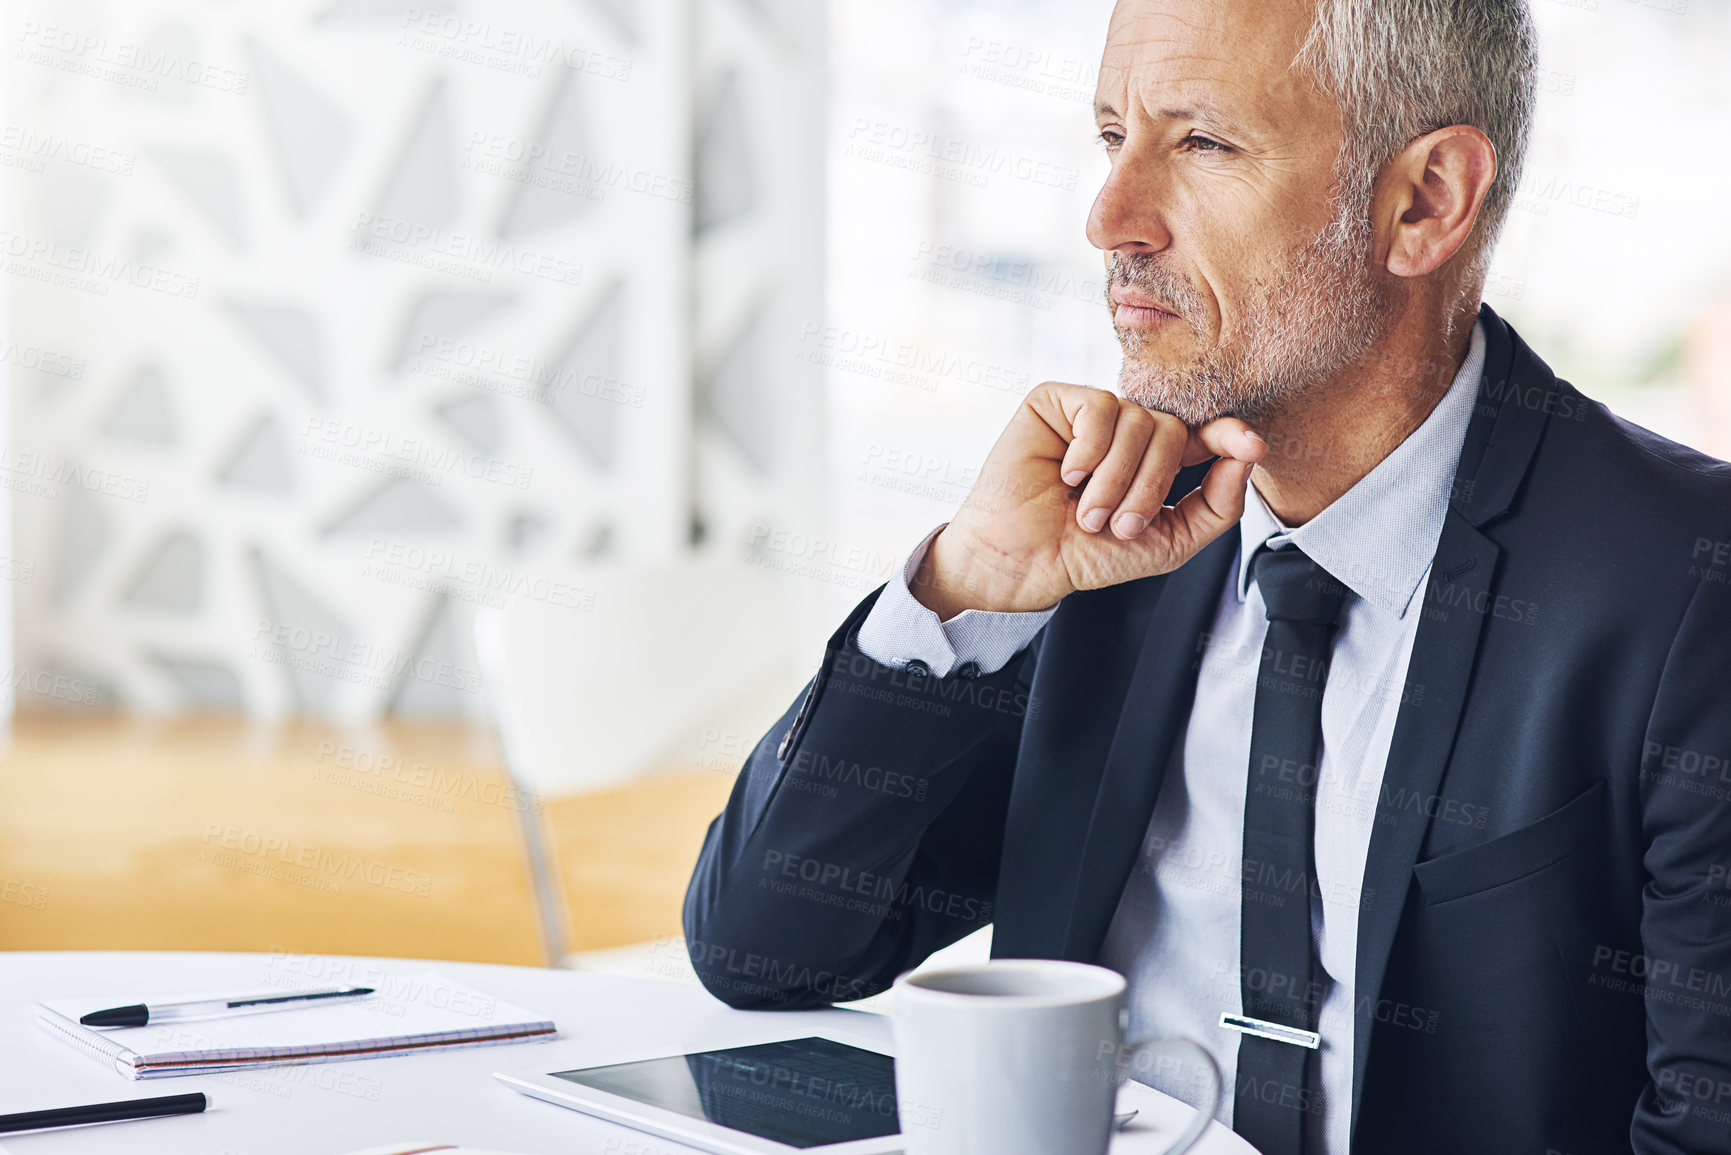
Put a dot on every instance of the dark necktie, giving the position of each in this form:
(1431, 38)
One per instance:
(1277, 978)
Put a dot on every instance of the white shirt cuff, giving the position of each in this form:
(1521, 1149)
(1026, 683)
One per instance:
(899, 630)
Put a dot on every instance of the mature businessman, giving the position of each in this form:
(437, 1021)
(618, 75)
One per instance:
(1351, 674)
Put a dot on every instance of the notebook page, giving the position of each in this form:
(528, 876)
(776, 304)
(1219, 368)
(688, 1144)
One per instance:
(420, 1007)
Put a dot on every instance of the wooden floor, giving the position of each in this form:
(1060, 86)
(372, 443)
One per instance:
(215, 834)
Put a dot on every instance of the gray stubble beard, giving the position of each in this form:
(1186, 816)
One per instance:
(1318, 315)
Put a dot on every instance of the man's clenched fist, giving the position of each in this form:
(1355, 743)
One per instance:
(1071, 498)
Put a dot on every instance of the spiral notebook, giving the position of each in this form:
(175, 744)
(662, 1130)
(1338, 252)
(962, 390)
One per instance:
(411, 1012)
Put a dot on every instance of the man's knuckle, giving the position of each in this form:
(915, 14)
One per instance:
(1154, 481)
(1167, 421)
(1113, 474)
(1046, 391)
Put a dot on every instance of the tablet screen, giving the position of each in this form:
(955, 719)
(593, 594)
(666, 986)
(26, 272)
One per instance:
(801, 1092)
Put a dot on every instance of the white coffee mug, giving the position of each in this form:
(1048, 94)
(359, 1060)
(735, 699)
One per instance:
(1021, 1057)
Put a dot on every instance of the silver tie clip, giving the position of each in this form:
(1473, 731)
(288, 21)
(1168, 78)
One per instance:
(1263, 1029)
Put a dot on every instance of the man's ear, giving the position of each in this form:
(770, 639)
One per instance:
(1429, 197)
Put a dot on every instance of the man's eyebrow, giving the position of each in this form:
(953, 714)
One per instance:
(1203, 110)
(1200, 110)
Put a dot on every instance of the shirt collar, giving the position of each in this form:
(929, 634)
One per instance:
(1378, 537)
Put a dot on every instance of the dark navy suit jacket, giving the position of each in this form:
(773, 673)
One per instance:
(1544, 944)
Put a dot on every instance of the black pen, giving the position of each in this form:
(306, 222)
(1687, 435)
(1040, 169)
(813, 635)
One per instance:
(141, 1014)
(104, 1112)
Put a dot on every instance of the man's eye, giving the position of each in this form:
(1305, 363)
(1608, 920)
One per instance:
(1111, 139)
(1203, 144)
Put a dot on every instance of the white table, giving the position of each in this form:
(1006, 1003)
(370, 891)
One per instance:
(334, 1108)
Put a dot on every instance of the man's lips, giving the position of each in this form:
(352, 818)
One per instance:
(1135, 309)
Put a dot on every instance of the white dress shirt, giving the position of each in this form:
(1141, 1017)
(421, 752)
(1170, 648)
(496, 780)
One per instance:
(1175, 934)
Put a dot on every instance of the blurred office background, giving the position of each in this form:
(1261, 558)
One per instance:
(441, 438)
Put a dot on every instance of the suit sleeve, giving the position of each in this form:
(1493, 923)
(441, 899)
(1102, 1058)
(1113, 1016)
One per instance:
(1686, 901)
(864, 831)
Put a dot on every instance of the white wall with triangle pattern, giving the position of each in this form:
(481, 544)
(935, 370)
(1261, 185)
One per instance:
(332, 319)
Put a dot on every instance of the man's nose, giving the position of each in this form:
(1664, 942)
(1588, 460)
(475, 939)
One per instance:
(1129, 213)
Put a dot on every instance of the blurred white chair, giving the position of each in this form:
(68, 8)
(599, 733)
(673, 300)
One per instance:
(588, 699)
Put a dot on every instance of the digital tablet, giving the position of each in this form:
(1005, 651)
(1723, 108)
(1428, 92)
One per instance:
(812, 1095)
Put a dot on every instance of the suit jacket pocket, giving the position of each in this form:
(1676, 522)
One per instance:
(1515, 855)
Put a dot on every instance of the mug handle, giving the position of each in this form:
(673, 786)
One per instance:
(1181, 1048)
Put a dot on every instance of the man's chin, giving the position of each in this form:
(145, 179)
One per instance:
(1208, 388)
(1167, 396)
(1158, 374)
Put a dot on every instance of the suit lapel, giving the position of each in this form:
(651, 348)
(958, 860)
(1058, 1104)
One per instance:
(1424, 733)
(1156, 704)
(1496, 453)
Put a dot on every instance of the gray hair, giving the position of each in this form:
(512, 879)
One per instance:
(1402, 68)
